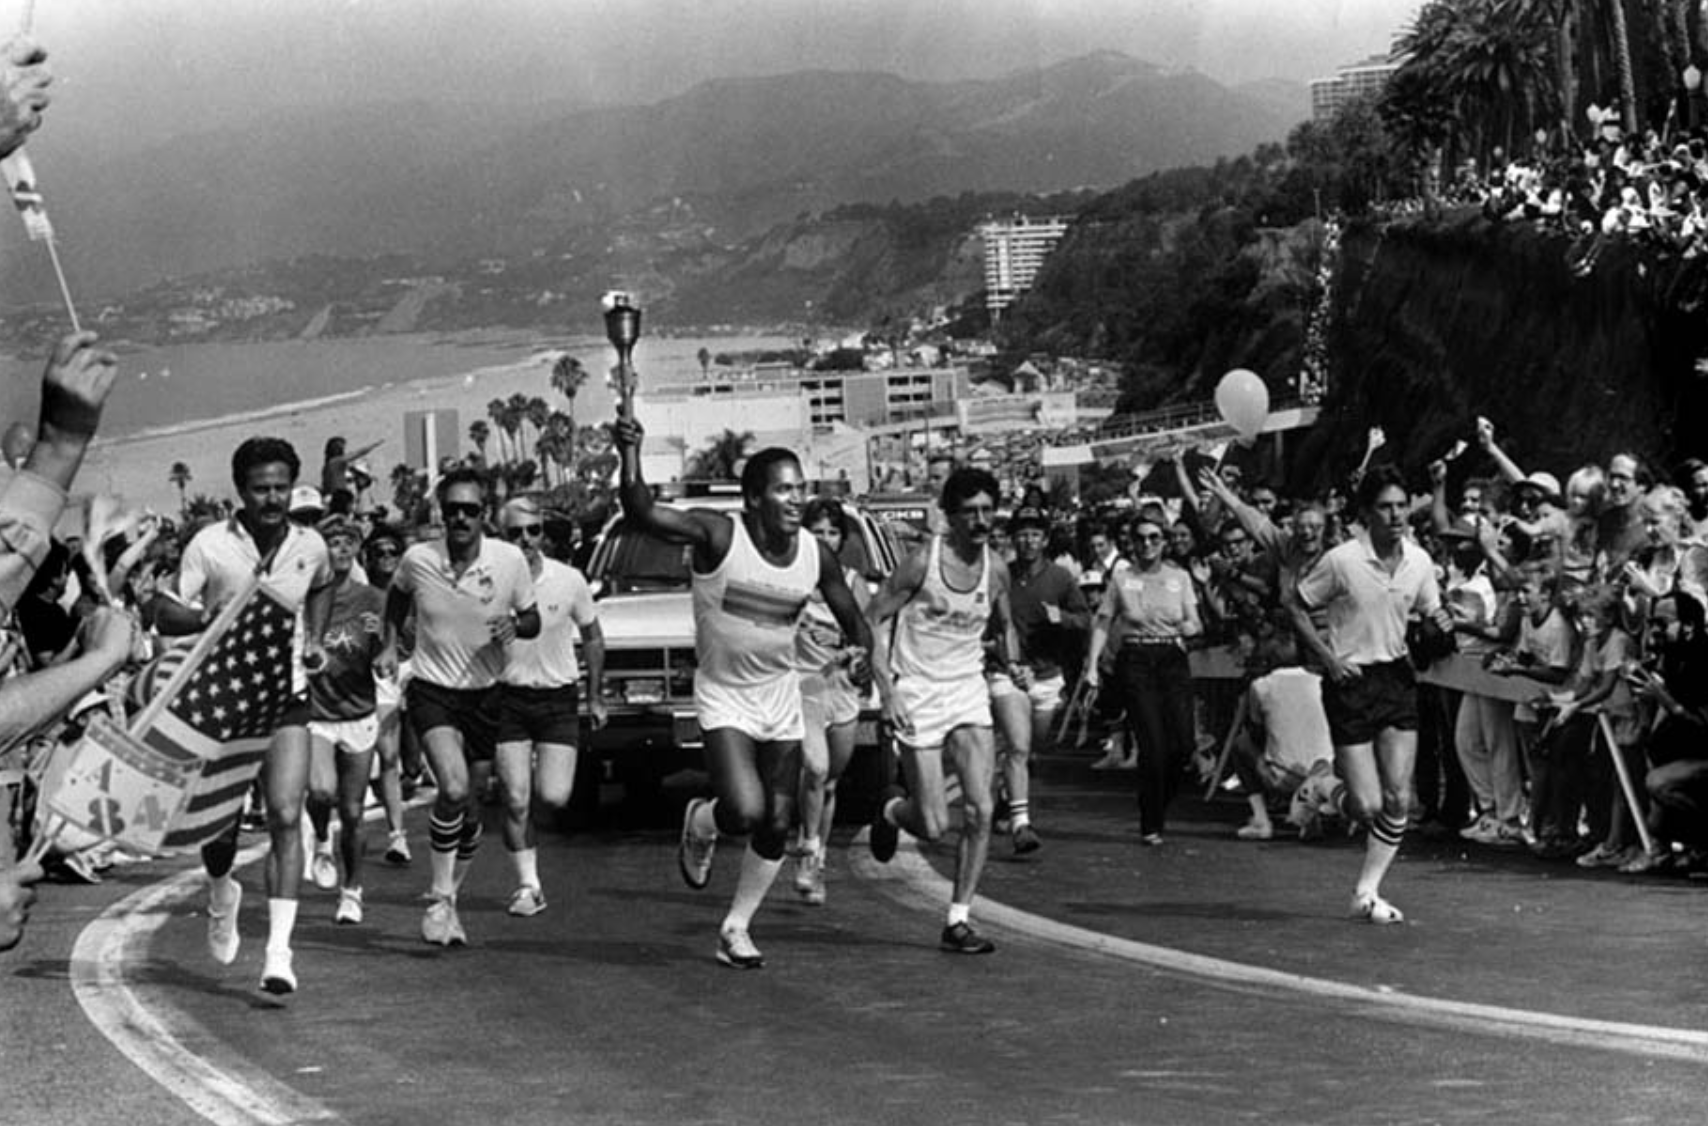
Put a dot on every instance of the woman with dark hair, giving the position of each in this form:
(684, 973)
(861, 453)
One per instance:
(1678, 746)
(49, 629)
(1153, 601)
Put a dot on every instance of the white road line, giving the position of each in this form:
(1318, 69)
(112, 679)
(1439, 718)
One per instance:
(909, 879)
(116, 941)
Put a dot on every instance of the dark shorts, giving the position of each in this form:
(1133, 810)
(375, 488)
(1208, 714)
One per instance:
(1384, 696)
(472, 711)
(539, 715)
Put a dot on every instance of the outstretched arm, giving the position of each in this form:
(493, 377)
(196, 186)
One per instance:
(640, 509)
(1486, 439)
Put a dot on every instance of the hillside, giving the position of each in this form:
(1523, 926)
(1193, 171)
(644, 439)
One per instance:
(729, 158)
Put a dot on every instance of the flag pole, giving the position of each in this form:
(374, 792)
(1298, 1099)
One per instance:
(64, 289)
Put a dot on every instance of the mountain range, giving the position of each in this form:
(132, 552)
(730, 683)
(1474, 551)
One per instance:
(723, 162)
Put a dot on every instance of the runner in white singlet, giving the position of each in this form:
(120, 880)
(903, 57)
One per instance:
(752, 576)
(943, 599)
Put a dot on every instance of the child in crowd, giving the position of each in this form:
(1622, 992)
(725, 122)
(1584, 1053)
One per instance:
(1545, 652)
(1286, 736)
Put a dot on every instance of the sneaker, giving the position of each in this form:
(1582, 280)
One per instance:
(277, 977)
(527, 902)
(1643, 862)
(694, 854)
(884, 836)
(809, 878)
(349, 911)
(1252, 831)
(1484, 830)
(1602, 856)
(1508, 835)
(1372, 908)
(1026, 840)
(1114, 754)
(1151, 839)
(223, 939)
(736, 949)
(323, 870)
(397, 849)
(963, 939)
(440, 925)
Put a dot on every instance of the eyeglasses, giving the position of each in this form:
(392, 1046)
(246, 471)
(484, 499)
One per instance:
(460, 508)
(518, 531)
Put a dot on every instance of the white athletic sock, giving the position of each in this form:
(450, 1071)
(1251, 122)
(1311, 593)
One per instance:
(889, 811)
(459, 873)
(527, 867)
(444, 878)
(1378, 855)
(757, 875)
(705, 821)
(960, 913)
(281, 921)
(811, 846)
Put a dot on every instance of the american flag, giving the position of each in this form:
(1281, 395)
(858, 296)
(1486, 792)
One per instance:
(225, 715)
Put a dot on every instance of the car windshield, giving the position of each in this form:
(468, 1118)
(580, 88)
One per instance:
(640, 562)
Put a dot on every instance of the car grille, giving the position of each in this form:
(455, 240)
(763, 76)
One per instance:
(644, 677)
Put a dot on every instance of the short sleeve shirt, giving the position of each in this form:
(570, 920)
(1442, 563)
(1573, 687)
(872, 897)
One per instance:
(221, 557)
(345, 688)
(1367, 607)
(1154, 605)
(454, 647)
(566, 606)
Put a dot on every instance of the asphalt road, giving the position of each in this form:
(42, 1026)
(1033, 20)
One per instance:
(609, 1008)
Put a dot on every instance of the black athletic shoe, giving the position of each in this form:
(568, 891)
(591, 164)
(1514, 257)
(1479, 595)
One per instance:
(963, 939)
(885, 837)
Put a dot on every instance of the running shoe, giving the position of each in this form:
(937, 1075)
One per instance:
(349, 911)
(884, 836)
(1151, 840)
(277, 977)
(963, 939)
(223, 939)
(1601, 856)
(694, 853)
(1026, 840)
(397, 848)
(527, 902)
(1253, 831)
(1372, 908)
(323, 870)
(736, 949)
(440, 925)
(1484, 830)
(809, 879)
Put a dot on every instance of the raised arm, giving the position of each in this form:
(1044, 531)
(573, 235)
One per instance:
(1486, 439)
(639, 508)
(1259, 527)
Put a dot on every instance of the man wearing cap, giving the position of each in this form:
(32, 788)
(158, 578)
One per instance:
(1050, 620)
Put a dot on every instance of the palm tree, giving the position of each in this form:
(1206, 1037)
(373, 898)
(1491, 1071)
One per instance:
(180, 477)
(1622, 63)
(497, 411)
(479, 433)
(705, 358)
(515, 417)
(568, 376)
(718, 461)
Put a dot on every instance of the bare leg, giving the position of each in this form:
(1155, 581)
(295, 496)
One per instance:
(972, 751)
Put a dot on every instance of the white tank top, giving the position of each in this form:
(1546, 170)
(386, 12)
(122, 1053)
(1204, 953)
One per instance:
(940, 632)
(746, 610)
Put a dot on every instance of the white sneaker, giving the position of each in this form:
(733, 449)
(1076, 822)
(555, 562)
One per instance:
(223, 939)
(440, 924)
(1484, 830)
(277, 977)
(736, 949)
(1372, 908)
(323, 870)
(397, 848)
(809, 879)
(694, 853)
(526, 902)
(349, 911)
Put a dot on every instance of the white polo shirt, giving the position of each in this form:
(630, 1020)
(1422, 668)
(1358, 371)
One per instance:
(565, 604)
(1367, 607)
(221, 557)
(454, 647)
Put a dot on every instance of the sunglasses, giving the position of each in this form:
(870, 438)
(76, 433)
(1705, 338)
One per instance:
(521, 530)
(461, 508)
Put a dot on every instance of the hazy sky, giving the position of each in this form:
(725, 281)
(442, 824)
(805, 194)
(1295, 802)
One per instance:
(164, 66)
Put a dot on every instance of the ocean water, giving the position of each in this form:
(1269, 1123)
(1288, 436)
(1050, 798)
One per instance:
(173, 387)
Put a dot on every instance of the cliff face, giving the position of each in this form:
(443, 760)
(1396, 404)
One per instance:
(1439, 321)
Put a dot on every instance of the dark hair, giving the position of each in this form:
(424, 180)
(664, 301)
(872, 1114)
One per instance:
(819, 508)
(756, 474)
(387, 533)
(461, 475)
(1687, 469)
(1375, 482)
(334, 447)
(55, 564)
(964, 484)
(256, 452)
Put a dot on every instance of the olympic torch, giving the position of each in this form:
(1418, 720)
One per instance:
(622, 329)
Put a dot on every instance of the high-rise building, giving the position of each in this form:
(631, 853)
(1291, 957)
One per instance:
(1013, 252)
(1364, 78)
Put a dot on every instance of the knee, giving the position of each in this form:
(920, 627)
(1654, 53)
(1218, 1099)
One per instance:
(740, 818)
(517, 805)
(285, 814)
(815, 772)
(554, 795)
(350, 811)
(1362, 808)
(452, 799)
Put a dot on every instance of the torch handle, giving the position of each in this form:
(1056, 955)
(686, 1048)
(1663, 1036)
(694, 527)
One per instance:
(625, 385)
